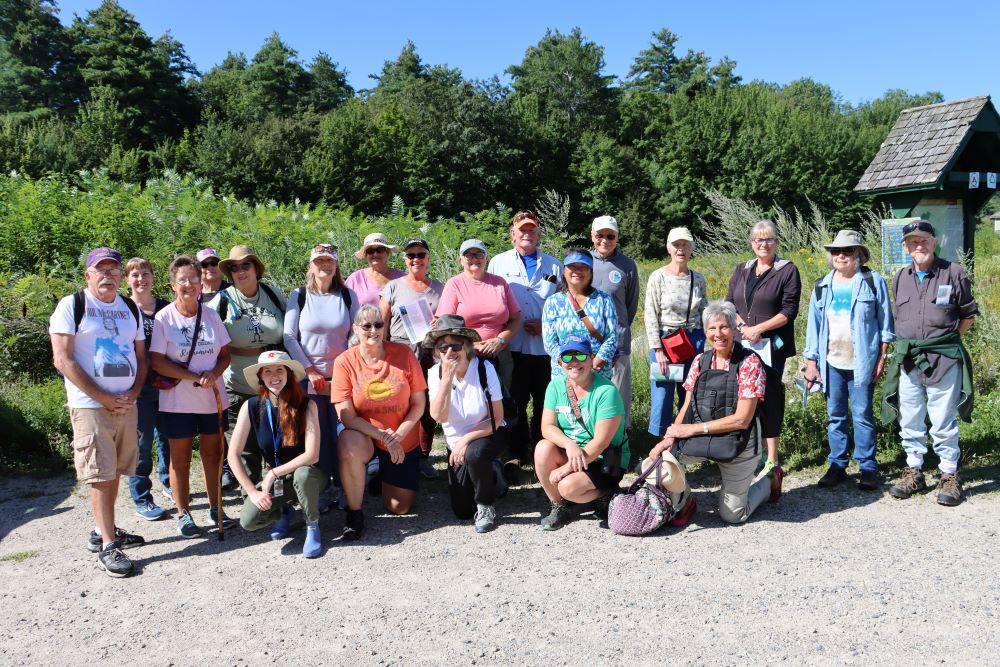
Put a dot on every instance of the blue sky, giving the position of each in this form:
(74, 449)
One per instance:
(860, 49)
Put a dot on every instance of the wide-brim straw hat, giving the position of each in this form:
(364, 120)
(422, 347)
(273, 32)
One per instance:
(375, 239)
(273, 358)
(849, 238)
(237, 254)
(450, 325)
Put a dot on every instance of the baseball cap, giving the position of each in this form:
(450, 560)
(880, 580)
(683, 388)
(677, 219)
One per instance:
(604, 222)
(324, 250)
(205, 253)
(575, 257)
(919, 228)
(526, 218)
(680, 234)
(416, 241)
(469, 244)
(575, 344)
(98, 255)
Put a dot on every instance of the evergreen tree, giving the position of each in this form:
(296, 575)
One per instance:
(36, 65)
(328, 87)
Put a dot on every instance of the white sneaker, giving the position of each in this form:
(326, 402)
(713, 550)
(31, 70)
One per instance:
(486, 518)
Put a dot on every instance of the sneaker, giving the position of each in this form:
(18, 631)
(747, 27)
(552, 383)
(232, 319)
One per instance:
(777, 476)
(149, 510)
(114, 561)
(314, 541)
(869, 480)
(683, 517)
(283, 525)
(911, 482)
(486, 518)
(187, 527)
(354, 525)
(834, 476)
(559, 514)
(227, 523)
(427, 469)
(124, 540)
(374, 481)
(512, 471)
(949, 490)
(167, 493)
(499, 479)
(228, 479)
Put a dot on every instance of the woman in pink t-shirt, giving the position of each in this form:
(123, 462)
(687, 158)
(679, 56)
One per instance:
(367, 283)
(487, 304)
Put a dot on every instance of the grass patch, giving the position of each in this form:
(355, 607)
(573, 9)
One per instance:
(19, 556)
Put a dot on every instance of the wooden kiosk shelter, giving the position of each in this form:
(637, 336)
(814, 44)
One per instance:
(940, 162)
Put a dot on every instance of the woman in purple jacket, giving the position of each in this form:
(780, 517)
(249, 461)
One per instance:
(766, 291)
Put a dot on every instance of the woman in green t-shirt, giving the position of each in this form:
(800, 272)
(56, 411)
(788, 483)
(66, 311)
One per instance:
(584, 452)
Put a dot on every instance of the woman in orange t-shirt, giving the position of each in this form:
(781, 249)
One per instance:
(378, 390)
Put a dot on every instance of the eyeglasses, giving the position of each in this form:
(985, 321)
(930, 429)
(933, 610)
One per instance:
(919, 225)
(368, 326)
(209, 262)
(444, 347)
(416, 255)
(768, 241)
(474, 255)
(573, 356)
(245, 266)
(112, 273)
(606, 237)
(842, 251)
(375, 250)
(188, 281)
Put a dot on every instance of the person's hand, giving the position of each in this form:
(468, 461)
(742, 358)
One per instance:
(457, 456)
(482, 348)
(662, 361)
(207, 379)
(683, 430)
(751, 334)
(260, 499)
(396, 453)
(448, 368)
(559, 474)
(599, 363)
(533, 327)
(664, 445)
(316, 379)
(879, 368)
(120, 403)
(389, 437)
(576, 459)
(812, 373)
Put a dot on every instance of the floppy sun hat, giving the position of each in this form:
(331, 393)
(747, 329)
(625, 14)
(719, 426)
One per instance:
(238, 254)
(375, 240)
(449, 325)
(274, 358)
(848, 238)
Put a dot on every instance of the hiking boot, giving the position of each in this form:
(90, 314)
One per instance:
(283, 525)
(601, 508)
(911, 482)
(354, 525)
(227, 523)
(149, 510)
(949, 489)
(427, 469)
(499, 479)
(834, 476)
(114, 561)
(777, 476)
(869, 480)
(228, 479)
(187, 527)
(314, 541)
(124, 540)
(512, 471)
(486, 518)
(683, 517)
(559, 514)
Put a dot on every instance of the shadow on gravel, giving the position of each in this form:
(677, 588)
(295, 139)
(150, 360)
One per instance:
(25, 499)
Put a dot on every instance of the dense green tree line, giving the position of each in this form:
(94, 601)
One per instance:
(102, 93)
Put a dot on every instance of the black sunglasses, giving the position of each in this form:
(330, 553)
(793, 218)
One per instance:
(454, 347)
(368, 326)
(841, 251)
(416, 255)
(209, 262)
(919, 225)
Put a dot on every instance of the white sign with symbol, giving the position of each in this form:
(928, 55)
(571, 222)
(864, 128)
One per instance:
(991, 180)
(973, 180)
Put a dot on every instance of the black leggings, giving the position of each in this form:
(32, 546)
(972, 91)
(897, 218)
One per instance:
(474, 481)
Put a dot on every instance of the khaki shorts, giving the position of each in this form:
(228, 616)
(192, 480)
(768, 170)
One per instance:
(104, 445)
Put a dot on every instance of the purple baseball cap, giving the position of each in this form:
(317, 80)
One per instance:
(205, 253)
(98, 255)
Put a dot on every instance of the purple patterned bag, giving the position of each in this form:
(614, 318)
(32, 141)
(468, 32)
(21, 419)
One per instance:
(643, 509)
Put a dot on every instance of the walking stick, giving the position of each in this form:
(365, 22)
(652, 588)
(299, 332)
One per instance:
(222, 446)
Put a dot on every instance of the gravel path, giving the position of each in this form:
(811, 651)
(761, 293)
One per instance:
(822, 577)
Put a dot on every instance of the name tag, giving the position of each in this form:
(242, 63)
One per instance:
(943, 299)
(279, 487)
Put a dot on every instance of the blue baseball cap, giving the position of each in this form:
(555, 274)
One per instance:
(579, 258)
(472, 244)
(575, 344)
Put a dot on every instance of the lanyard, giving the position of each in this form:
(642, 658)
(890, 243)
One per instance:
(276, 435)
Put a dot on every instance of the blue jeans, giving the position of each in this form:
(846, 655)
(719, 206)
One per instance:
(661, 394)
(150, 431)
(841, 389)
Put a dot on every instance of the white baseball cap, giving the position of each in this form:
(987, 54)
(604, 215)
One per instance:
(604, 222)
(680, 234)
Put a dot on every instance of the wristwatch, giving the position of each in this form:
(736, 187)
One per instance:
(503, 341)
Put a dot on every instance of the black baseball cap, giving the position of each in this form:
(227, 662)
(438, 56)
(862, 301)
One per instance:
(919, 228)
(416, 241)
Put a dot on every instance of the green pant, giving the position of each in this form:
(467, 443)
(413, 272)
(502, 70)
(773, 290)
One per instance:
(305, 482)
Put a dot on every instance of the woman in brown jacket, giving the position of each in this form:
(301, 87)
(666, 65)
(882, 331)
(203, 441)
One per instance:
(766, 291)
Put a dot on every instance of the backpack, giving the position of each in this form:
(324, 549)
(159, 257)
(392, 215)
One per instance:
(486, 390)
(80, 307)
(866, 275)
(225, 299)
(345, 294)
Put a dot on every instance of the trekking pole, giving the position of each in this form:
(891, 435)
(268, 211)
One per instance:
(222, 446)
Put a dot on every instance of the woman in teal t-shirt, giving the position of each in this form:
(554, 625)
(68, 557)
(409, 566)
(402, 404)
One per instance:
(584, 452)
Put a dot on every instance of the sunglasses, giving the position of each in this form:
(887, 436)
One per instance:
(245, 266)
(606, 237)
(474, 255)
(416, 255)
(209, 262)
(376, 250)
(444, 347)
(841, 251)
(525, 215)
(368, 326)
(324, 247)
(573, 356)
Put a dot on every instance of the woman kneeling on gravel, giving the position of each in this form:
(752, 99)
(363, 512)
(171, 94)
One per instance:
(286, 424)
(585, 452)
(467, 400)
(719, 420)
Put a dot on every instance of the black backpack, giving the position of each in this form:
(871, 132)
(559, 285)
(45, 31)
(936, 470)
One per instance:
(866, 275)
(486, 390)
(345, 294)
(271, 294)
(80, 307)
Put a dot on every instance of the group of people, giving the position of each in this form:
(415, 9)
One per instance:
(521, 358)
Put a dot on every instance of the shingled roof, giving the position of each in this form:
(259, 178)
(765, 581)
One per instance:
(922, 145)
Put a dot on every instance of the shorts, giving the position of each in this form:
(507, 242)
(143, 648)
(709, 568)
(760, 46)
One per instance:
(105, 445)
(181, 425)
(600, 479)
(405, 475)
